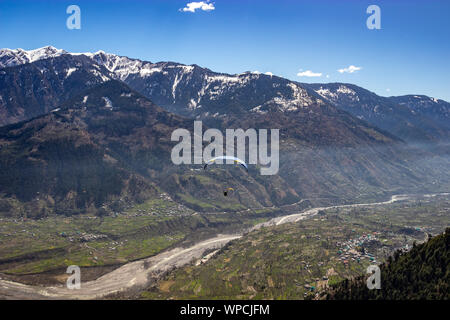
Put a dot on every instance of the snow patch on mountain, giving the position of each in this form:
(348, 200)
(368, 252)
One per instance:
(257, 109)
(226, 79)
(192, 104)
(339, 93)
(345, 90)
(70, 71)
(108, 103)
(300, 95)
(148, 70)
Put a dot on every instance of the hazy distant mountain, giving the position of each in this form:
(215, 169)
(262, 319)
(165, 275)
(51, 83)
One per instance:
(436, 109)
(412, 118)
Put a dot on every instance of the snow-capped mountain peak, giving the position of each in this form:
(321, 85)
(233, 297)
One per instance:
(121, 66)
(14, 57)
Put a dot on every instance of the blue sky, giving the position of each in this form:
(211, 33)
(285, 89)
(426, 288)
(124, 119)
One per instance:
(409, 55)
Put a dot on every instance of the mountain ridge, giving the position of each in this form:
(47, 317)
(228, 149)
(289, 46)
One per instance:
(197, 92)
(326, 152)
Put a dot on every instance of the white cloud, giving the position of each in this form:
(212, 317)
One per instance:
(202, 5)
(309, 73)
(328, 76)
(350, 69)
(388, 90)
(268, 73)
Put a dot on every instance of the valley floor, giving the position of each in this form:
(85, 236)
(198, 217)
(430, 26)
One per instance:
(155, 275)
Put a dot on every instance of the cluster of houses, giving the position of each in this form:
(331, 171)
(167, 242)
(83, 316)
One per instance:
(172, 210)
(83, 236)
(355, 249)
(167, 212)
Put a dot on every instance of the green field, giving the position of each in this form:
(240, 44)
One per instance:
(51, 244)
(34, 246)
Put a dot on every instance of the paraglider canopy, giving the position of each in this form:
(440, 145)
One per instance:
(225, 192)
(224, 159)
